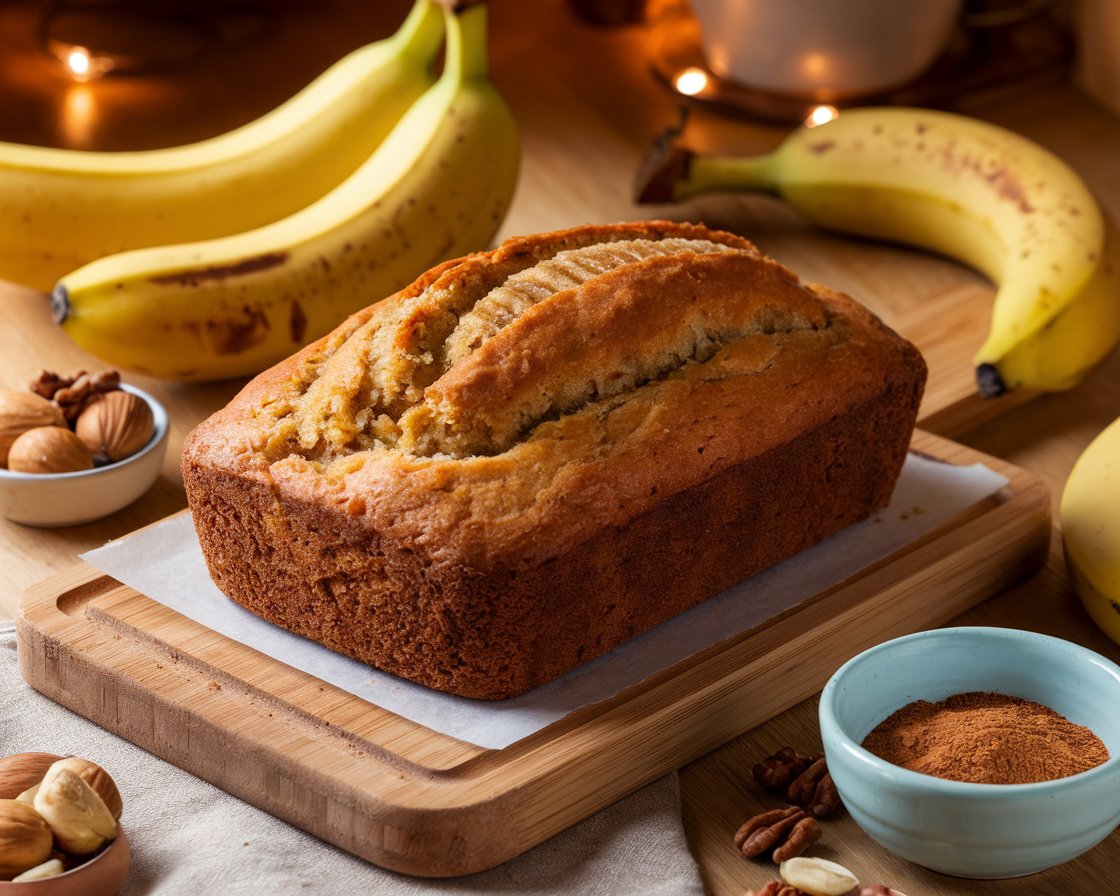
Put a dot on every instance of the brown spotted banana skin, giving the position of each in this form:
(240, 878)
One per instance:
(62, 208)
(437, 188)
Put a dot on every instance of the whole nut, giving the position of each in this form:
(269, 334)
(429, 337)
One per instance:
(97, 778)
(818, 877)
(25, 838)
(21, 411)
(49, 868)
(22, 771)
(49, 449)
(115, 425)
(77, 816)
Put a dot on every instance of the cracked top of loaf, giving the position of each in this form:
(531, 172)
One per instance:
(506, 406)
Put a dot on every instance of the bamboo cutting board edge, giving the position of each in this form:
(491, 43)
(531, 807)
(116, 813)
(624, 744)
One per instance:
(425, 804)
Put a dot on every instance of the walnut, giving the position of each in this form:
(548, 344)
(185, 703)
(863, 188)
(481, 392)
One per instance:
(72, 394)
(783, 833)
(48, 382)
(804, 780)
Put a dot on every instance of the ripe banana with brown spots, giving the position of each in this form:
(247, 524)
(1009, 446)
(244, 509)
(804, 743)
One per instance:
(436, 188)
(61, 208)
(970, 190)
(1091, 529)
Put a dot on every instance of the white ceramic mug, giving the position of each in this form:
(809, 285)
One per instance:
(824, 49)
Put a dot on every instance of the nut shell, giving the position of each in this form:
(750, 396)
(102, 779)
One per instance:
(21, 411)
(25, 838)
(115, 425)
(49, 449)
(22, 771)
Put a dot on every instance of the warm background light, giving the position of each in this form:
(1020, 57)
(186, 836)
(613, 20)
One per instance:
(79, 63)
(820, 115)
(691, 81)
(79, 116)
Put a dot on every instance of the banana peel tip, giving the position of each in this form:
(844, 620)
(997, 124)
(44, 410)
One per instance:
(664, 166)
(989, 382)
(60, 303)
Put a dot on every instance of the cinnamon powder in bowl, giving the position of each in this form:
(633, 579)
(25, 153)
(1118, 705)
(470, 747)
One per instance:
(947, 700)
(986, 738)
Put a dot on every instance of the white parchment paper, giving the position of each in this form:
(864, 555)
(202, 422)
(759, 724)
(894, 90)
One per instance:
(165, 563)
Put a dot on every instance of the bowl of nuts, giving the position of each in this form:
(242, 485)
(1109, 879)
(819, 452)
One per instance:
(75, 449)
(59, 828)
(977, 752)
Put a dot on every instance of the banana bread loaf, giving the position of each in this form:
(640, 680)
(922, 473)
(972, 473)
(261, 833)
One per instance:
(533, 454)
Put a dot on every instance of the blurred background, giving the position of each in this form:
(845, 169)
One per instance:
(130, 74)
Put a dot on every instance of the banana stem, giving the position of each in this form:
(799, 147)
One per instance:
(421, 32)
(670, 171)
(466, 40)
(710, 173)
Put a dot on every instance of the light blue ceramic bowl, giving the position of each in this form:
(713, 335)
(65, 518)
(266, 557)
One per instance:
(974, 830)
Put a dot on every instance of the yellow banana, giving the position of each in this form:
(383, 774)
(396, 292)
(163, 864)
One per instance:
(61, 208)
(958, 186)
(437, 187)
(1090, 523)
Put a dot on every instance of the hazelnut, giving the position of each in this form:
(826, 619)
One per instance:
(77, 816)
(21, 411)
(49, 449)
(25, 838)
(115, 425)
(22, 771)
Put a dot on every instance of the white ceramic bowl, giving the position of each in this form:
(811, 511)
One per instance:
(70, 499)
(958, 828)
(826, 50)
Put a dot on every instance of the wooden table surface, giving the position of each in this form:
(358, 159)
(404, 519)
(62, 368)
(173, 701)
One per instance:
(587, 103)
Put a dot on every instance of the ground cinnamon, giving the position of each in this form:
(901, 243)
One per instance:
(986, 738)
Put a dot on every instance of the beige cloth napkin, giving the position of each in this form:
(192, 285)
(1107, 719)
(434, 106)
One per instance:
(191, 838)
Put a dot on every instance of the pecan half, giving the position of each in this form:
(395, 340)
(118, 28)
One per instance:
(814, 790)
(777, 888)
(783, 833)
(777, 770)
(804, 780)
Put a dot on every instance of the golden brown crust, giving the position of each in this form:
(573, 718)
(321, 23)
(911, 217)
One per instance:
(613, 453)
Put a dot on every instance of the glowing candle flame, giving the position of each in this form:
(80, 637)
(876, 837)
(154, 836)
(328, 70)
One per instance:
(821, 115)
(691, 81)
(79, 63)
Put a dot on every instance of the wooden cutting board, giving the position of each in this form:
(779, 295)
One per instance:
(422, 803)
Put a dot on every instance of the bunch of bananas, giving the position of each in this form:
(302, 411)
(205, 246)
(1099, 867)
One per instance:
(1091, 529)
(220, 258)
(958, 186)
